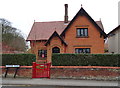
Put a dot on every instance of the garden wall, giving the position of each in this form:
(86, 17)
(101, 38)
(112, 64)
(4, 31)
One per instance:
(24, 71)
(85, 72)
(70, 72)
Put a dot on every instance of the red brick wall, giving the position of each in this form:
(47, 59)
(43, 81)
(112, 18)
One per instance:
(37, 45)
(93, 41)
(85, 73)
(22, 72)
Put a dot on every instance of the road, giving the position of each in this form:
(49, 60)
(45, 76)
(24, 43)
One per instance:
(56, 87)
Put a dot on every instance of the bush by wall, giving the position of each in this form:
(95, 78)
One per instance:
(85, 59)
(18, 59)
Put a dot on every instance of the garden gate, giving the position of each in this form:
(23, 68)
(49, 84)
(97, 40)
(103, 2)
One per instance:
(41, 70)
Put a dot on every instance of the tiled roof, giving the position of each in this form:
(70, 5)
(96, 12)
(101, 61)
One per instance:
(43, 30)
(99, 23)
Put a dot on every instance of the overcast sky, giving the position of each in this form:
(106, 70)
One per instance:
(22, 13)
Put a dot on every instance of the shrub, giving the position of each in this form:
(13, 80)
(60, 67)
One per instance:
(18, 59)
(85, 59)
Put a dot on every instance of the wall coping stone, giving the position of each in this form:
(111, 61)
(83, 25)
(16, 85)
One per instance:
(20, 67)
(105, 67)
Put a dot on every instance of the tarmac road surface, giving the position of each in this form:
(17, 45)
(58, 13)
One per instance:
(30, 86)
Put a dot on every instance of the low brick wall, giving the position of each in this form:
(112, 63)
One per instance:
(23, 71)
(85, 72)
(71, 72)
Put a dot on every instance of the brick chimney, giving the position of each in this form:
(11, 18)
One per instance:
(66, 14)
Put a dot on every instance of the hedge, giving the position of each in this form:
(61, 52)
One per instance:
(85, 59)
(18, 59)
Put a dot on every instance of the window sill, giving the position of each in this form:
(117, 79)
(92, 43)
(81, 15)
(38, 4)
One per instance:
(82, 36)
(42, 58)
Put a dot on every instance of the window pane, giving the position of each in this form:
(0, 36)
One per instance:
(45, 53)
(78, 32)
(88, 50)
(42, 51)
(81, 50)
(76, 50)
(86, 32)
(84, 50)
(82, 33)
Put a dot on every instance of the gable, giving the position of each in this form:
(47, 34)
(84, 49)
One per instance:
(117, 28)
(82, 12)
(55, 34)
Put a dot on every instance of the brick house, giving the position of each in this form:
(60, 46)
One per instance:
(80, 35)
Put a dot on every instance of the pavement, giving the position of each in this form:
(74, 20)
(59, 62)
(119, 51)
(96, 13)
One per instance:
(56, 82)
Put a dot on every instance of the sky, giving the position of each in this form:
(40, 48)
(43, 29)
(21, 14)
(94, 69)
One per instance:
(23, 13)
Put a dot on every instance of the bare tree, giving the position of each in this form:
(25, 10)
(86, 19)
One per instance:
(12, 36)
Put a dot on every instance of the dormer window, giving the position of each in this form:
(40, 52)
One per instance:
(82, 32)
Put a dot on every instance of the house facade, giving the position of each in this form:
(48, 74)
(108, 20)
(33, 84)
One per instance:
(114, 40)
(80, 35)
